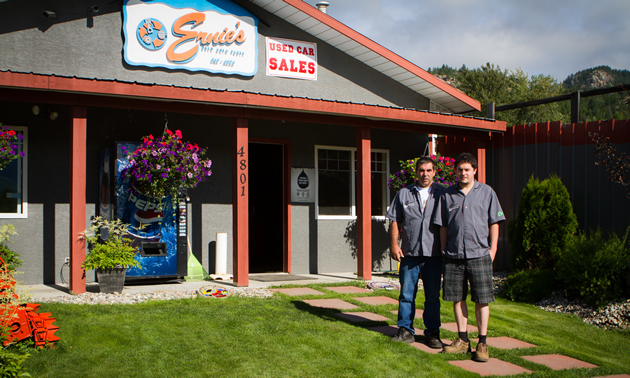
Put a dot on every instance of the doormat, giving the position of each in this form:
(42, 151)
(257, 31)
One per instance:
(278, 277)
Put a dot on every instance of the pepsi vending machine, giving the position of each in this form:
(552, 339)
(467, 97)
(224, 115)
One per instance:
(158, 228)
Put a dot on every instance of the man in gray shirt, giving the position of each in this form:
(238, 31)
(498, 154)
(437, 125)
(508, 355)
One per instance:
(469, 217)
(412, 210)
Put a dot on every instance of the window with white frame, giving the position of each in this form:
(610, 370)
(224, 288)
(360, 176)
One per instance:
(336, 182)
(13, 193)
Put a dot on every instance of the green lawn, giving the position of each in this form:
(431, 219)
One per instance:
(282, 336)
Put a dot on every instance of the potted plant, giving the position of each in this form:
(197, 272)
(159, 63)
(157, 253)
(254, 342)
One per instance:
(111, 257)
(8, 146)
(444, 172)
(160, 166)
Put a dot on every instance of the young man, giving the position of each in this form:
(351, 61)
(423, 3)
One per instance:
(469, 217)
(412, 209)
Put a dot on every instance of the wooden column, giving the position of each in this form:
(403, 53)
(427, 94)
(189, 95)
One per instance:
(481, 161)
(240, 203)
(78, 143)
(364, 204)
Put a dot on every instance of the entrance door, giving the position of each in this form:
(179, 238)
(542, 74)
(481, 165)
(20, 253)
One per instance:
(266, 227)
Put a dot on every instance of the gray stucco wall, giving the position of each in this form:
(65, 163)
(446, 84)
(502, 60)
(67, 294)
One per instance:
(77, 45)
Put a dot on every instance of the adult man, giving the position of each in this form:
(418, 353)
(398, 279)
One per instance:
(469, 217)
(413, 209)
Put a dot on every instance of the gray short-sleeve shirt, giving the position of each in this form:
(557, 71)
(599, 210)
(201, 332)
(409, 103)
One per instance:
(468, 219)
(419, 236)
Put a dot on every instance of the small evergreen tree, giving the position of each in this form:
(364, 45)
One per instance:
(543, 226)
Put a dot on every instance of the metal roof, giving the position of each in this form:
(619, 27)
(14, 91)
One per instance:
(333, 32)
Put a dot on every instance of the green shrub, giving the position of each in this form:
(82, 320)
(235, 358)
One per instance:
(530, 285)
(11, 258)
(11, 364)
(543, 226)
(593, 268)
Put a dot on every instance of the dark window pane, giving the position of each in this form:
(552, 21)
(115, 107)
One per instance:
(334, 193)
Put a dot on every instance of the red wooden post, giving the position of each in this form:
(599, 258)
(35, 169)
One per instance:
(364, 204)
(78, 156)
(240, 203)
(481, 161)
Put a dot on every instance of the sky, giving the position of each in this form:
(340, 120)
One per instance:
(549, 37)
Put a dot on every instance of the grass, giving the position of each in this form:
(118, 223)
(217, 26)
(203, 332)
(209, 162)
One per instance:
(284, 337)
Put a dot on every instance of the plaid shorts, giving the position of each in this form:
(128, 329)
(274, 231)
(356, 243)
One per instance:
(458, 272)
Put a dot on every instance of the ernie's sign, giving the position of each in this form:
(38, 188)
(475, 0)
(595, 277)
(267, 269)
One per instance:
(292, 59)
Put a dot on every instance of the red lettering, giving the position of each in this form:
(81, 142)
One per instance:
(302, 66)
(290, 48)
(299, 50)
(311, 52)
(284, 48)
(283, 65)
(272, 47)
(273, 63)
(311, 68)
(293, 68)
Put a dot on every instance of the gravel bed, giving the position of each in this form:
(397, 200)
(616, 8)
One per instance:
(132, 298)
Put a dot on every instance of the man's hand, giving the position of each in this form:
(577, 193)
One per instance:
(396, 253)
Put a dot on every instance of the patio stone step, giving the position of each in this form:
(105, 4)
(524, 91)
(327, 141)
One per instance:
(558, 361)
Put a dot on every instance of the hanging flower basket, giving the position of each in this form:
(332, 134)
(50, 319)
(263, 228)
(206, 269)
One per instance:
(162, 165)
(8, 146)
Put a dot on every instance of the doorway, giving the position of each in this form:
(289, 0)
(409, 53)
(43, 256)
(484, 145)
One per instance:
(266, 193)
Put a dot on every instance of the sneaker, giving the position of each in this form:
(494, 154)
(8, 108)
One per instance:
(458, 346)
(404, 335)
(481, 354)
(433, 341)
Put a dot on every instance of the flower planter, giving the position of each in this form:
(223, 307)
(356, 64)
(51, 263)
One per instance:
(111, 280)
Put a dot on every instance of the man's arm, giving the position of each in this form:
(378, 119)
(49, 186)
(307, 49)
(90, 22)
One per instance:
(394, 251)
(443, 238)
(494, 239)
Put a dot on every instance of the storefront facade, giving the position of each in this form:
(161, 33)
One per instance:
(272, 88)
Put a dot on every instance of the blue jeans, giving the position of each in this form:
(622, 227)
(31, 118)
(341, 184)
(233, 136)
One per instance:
(410, 268)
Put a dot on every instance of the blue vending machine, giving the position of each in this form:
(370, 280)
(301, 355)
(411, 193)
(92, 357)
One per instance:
(158, 228)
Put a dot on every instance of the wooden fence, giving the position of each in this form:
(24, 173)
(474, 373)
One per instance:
(542, 149)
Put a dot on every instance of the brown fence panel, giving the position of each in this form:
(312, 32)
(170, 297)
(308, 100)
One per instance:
(542, 149)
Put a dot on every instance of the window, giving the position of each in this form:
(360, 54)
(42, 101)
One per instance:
(13, 193)
(336, 182)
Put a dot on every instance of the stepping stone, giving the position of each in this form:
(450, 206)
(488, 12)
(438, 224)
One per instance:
(425, 348)
(418, 313)
(348, 289)
(331, 303)
(362, 316)
(296, 291)
(507, 343)
(395, 312)
(494, 366)
(391, 330)
(453, 327)
(558, 361)
(380, 300)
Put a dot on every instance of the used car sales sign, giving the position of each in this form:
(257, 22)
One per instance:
(293, 59)
(196, 35)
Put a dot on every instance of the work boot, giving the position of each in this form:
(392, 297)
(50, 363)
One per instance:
(404, 335)
(432, 340)
(481, 354)
(458, 346)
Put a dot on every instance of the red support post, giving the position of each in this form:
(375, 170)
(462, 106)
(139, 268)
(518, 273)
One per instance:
(364, 204)
(240, 203)
(78, 158)
(481, 161)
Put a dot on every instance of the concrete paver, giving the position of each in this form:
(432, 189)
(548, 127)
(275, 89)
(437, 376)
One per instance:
(494, 366)
(453, 327)
(558, 361)
(505, 342)
(296, 291)
(425, 348)
(347, 289)
(331, 303)
(376, 301)
(362, 316)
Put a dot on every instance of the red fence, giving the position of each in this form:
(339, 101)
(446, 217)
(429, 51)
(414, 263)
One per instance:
(541, 150)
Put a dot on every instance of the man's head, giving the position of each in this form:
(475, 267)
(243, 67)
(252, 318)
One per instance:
(425, 171)
(465, 168)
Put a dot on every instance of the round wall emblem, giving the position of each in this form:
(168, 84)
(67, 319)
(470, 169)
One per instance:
(151, 33)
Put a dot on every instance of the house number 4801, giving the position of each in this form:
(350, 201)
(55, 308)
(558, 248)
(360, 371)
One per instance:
(242, 167)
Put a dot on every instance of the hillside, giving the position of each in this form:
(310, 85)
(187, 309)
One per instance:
(611, 106)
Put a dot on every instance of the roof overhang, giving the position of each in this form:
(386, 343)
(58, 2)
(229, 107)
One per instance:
(353, 43)
(101, 93)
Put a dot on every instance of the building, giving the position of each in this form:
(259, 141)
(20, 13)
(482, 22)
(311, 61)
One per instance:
(270, 87)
